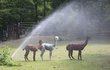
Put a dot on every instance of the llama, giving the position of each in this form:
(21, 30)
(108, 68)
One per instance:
(29, 48)
(47, 46)
(78, 47)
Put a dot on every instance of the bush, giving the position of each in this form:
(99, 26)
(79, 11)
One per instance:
(5, 58)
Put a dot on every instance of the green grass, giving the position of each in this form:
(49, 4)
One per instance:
(95, 57)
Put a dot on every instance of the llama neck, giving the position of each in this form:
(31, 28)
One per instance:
(85, 43)
(55, 43)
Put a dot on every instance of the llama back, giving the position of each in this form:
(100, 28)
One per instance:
(48, 46)
(30, 47)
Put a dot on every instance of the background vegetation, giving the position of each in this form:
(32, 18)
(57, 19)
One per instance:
(5, 58)
(19, 16)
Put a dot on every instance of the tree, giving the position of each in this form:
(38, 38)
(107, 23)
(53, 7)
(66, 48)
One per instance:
(14, 11)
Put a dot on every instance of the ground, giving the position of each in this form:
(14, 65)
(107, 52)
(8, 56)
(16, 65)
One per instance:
(95, 57)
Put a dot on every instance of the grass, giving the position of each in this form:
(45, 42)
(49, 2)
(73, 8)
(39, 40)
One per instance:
(95, 57)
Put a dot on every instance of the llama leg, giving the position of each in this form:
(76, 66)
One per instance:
(42, 53)
(26, 55)
(72, 54)
(50, 54)
(80, 55)
(69, 54)
(34, 54)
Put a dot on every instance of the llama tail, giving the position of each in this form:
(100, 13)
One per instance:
(67, 47)
(23, 48)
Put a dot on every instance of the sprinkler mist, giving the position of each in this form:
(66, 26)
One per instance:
(68, 20)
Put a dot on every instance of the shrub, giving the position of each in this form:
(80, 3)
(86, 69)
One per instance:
(5, 58)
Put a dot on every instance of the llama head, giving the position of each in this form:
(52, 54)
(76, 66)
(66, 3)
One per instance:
(88, 37)
(40, 42)
(56, 38)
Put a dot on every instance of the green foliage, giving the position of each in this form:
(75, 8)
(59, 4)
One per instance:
(5, 58)
(14, 11)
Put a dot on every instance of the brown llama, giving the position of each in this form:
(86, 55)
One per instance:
(78, 47)
(29, 48)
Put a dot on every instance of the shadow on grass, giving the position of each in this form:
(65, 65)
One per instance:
(35, 61)
(15, 65)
